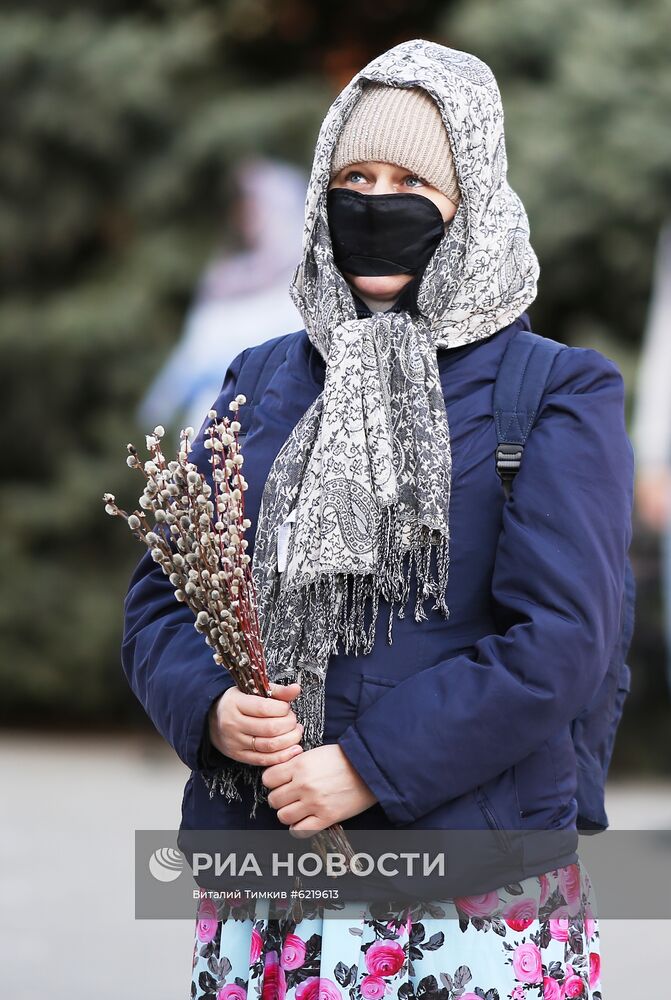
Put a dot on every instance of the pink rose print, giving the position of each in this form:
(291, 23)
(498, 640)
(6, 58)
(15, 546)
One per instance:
(372, 987)
(569, 883)
(255, 947)
(478, 906)
(207, 920)
(589, 928)
(520, 914)
(544, 883)
(400, 930)
(470, 996)
(293, 952)
(384, 958)
(551, 989)
(528, 963)
(559, 929)
(573, 986)
(594, 968)
(232, 992)
(317, 988)
(517, 994)
(274, 980)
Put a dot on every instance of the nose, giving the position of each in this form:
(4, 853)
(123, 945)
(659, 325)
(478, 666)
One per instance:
(383, 185)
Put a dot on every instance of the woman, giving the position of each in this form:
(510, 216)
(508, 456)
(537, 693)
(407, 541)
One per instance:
(416, 273)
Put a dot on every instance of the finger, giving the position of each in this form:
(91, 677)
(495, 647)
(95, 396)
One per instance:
(293, 813)
(267, 760)
(250, 726)
(240, 730)
(270, 744)
(276, 775)
(283, 795)
(259, 706)
(287, 692)
(300, 833)
(306, 828)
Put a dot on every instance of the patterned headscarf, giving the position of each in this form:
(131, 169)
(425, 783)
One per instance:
(359, 493)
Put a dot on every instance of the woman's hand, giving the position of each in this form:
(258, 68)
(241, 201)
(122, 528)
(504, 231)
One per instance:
(316, 789)
(236, 718)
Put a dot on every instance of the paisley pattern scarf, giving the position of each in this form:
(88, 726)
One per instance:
(359, 493)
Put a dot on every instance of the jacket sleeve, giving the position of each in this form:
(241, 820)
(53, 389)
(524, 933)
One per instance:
(557, 588)
(166, 661)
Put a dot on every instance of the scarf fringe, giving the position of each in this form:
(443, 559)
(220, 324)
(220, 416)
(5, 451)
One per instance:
(335, 611)
(228, 779)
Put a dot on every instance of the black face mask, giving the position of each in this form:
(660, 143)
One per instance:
(377, 234)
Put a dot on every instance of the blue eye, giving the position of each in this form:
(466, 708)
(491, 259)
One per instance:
(353, 173)
(419, 181)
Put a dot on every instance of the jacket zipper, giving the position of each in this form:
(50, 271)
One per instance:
(492, 820)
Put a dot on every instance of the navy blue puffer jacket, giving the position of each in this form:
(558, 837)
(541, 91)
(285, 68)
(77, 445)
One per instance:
(464, 723)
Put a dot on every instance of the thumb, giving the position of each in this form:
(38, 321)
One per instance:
(285, 692)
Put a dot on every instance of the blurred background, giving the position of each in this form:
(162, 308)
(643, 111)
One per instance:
(154, 158)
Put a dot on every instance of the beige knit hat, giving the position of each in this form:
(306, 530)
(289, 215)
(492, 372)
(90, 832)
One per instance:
(403, 126)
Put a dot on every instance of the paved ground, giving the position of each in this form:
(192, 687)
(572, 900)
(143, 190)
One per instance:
(70, 810)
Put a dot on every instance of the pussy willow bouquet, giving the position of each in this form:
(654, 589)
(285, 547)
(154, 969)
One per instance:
(198, 539)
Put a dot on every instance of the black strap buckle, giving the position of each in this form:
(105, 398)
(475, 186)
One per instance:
(508, 459)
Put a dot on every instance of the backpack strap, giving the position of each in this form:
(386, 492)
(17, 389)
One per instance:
(520, 384)
(258, 366)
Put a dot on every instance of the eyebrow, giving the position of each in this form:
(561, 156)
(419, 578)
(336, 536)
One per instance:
(353, 167)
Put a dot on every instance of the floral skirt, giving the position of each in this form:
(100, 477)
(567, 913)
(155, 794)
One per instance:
(535, 938)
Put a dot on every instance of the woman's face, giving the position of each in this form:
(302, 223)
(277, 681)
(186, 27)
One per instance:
(371, 177)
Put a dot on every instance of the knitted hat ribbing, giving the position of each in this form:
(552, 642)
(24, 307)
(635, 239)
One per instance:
(403, 126)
